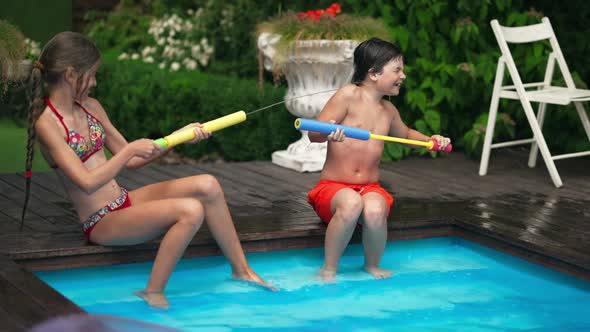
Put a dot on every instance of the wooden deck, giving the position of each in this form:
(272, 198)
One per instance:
(514, 209)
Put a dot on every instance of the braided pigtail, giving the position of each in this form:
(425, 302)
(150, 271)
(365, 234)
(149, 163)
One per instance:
(36, 106)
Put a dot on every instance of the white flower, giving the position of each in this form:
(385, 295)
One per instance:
(180, 42)
(196, 50)
(32, 47)
(123, 56)
(191, 64)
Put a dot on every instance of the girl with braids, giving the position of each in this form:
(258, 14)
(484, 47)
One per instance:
(73, 129)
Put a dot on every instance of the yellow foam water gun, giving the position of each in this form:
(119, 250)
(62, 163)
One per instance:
(188, 134)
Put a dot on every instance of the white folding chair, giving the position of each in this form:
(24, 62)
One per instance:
(542, 92)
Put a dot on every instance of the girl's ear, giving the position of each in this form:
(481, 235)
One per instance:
(70, 75)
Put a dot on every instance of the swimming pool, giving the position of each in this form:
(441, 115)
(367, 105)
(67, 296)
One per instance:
(440, 284)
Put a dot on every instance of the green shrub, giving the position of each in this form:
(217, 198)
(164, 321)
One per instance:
(123, 29)
(451, 56)
(143, 101)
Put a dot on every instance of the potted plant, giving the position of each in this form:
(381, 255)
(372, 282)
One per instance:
(313, 50)
(16, 62)
(12, 53)
(287, 32)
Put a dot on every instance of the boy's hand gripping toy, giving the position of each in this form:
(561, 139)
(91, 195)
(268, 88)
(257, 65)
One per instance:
(188, 134)
(362, 134)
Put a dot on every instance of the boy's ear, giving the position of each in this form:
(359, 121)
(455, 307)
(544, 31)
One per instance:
(372, 75)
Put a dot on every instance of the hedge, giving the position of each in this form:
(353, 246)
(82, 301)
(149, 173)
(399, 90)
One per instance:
(144, 101)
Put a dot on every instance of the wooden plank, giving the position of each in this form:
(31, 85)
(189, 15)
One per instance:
(9, 322)
(18, 182)
(537, 214)
(523, 238)
(125, 179)
(254, 183)
(263, 179)
(153, 172)
(524, 253)
(36, 205)
(41, 293)
(30, 300)
(293, 180)
(50, 182)
(236, 195)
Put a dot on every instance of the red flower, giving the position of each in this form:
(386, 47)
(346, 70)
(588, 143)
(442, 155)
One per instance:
(316, 14)
(336, 7)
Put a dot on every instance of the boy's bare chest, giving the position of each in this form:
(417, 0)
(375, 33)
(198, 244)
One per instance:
(377, 121)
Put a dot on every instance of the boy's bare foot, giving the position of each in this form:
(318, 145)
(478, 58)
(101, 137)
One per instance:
(154, 299)
(378, 272)
(250, 276)
(327, 275)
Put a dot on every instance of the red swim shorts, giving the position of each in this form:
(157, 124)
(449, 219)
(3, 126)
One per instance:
(320, 197)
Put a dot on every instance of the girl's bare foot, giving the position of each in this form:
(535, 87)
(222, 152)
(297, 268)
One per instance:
(154, 299)
(327, 275)
(378, 272)
(249, 275)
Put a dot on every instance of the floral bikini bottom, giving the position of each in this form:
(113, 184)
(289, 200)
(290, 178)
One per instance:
(121, 202)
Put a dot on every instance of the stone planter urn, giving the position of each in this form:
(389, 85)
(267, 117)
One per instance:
(18, 71)
(312, 66)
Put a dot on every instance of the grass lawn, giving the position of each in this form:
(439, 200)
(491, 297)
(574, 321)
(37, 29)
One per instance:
(13, 156)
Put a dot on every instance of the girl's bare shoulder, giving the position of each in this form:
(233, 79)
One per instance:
(47, 125)
(94, 107)
(46, 120)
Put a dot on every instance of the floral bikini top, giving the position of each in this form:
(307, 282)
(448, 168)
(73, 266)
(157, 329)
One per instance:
(82, 147)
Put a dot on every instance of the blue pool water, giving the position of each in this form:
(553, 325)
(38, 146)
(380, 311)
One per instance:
(442, 284)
